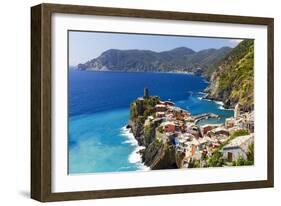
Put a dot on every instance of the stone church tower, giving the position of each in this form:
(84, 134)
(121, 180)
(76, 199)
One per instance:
(145, 93)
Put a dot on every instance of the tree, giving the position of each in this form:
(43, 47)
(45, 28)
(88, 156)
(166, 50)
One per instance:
(160, 129)
(148, 111)
(250, 153)
(238, 133)
(215, 160)
(194, 164)
(242, 162)
(148, 130)
(239, 162)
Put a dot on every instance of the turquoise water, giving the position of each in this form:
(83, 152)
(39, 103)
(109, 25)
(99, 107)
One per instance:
(101, 143)
(99, 110)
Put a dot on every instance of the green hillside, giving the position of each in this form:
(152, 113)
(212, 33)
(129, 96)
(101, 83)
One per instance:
(233, 80)
(180, 59)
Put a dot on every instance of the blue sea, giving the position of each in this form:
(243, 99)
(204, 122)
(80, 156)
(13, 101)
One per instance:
(98, 110)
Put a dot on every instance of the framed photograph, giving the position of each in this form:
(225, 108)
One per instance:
(132, 102)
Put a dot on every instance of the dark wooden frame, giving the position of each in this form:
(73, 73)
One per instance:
(41, 101)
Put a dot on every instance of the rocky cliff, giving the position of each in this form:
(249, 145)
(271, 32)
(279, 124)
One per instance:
(158, 154)
(233, 80)
(180, 59)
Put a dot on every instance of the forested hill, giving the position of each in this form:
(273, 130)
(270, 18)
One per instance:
(233, 80)
(180, 59)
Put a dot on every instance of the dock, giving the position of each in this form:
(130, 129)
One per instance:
(203, 116)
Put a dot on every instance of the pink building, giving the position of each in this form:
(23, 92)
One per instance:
(169, 127)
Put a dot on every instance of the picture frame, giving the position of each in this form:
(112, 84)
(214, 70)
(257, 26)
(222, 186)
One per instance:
(42, 93)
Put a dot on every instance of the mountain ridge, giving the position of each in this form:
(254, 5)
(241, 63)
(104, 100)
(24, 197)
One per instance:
(178, 59)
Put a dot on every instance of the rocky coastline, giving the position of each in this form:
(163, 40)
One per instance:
(171, 138)
(233, 80)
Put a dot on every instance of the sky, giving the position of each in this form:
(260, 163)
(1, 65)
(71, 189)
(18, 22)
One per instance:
(84, 46)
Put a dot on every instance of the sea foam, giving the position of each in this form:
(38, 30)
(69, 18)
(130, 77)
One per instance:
(220, 105)
(134, 157)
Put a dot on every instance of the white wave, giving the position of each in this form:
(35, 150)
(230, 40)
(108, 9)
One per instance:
(202, 97)
(222, 108)
(202, 93)
(206, 81)
(221, 105)
(130, 137)
(142, 167)
(135, 156)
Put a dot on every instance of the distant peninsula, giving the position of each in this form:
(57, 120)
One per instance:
(180, 59)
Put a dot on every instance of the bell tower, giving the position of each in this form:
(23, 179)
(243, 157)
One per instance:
(145, 93)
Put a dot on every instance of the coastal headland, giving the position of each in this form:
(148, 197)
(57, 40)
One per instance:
(171, 137)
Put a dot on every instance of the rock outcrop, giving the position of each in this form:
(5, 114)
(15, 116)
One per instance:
(158, 154)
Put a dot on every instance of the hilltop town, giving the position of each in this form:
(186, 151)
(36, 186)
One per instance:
(172, 138)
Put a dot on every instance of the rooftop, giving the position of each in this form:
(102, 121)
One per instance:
(160, 105)
(239, 141)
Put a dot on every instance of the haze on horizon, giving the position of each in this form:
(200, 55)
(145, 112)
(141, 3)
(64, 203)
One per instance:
(84, 46)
